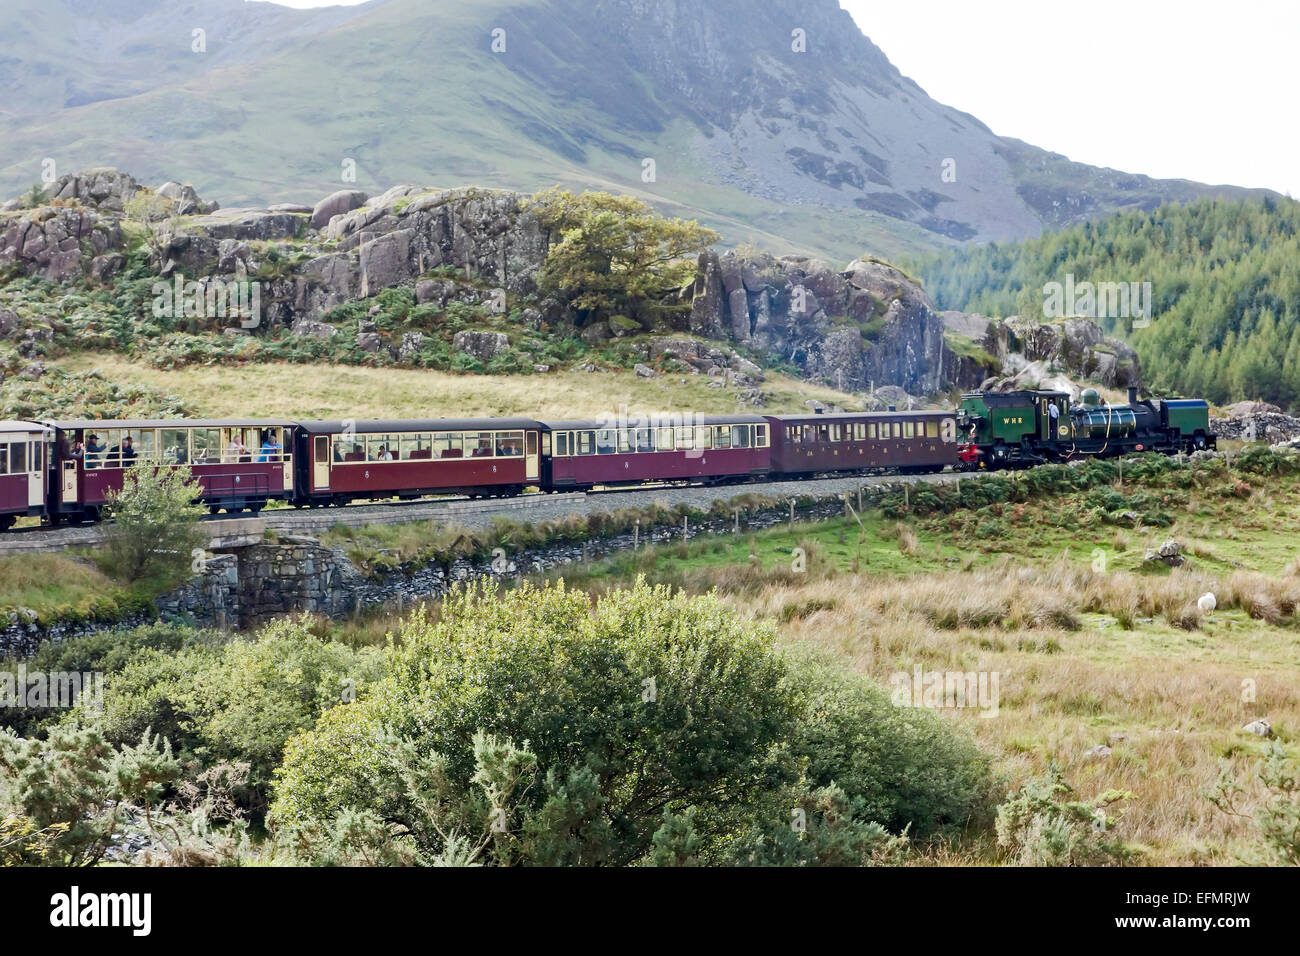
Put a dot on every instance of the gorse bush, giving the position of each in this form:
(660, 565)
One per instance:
(1037, 826)
(237, 701)
(650, 727)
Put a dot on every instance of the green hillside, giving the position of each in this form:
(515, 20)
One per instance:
(1225, 282)
(829, 151)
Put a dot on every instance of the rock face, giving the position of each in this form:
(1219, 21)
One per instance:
(58, 242)
(866, 324)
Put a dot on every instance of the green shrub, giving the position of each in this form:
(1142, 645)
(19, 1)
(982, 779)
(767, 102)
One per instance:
(656, 728)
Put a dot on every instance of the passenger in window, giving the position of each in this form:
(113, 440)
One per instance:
(126, 450)
(235, 449)
(94, 451)
(384, 454)
(270, 448)
(78, 451)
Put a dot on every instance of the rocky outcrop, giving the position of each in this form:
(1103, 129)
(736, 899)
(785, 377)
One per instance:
(867, 324)
(1075, 348)
(59, 242)
(101, 188)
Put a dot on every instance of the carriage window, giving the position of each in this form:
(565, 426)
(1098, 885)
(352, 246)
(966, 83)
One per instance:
(835, 433)
(204, 443)
(703, 437)
(624, 441)
(110, 445)
(448, 445)
(722, 437)
(478, 445)
(645, 439)
(417, 446)
(605, 439)
(740, 436)
(143, 442)
(823, 433)
(685, 438)
(897, 429)
(907, 430)
(586, 443)
(667, 439)
(510, 444)
(561, 444)
(17, 458)
(379, 447)
(760, 436)
(932, 429)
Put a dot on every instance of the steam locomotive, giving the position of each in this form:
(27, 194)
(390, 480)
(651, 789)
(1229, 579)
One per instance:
(1019, 429)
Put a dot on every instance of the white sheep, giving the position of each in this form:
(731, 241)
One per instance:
(1207, 602)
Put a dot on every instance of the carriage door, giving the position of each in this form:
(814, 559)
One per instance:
(68, 473)
(1045, 420)
(321, 461)
(36, 473)
(530, 456)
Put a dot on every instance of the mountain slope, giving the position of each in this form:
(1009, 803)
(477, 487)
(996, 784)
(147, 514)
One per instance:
(829, 150)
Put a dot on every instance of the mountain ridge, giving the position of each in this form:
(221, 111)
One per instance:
(829, 151)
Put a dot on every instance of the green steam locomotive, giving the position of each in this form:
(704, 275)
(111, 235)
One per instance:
(1019, 429)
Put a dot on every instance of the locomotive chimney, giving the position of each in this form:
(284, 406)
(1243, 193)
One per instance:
(1132, 394)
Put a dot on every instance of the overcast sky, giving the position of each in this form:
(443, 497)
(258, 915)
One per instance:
(1189, 89)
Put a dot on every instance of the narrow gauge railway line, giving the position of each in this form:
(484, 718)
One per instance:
(471, 514)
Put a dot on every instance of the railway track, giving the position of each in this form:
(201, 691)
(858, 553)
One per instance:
(236, 530)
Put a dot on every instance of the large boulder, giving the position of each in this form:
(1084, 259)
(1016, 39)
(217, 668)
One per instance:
(480, 345)
(336, 204)
(185, 200)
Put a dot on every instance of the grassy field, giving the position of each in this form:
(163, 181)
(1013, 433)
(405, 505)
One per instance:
(1090, 651)
(315, 391)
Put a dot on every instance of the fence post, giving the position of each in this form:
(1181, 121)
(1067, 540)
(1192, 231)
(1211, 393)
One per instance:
(636, 535)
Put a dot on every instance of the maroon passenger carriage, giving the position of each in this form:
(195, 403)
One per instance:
(906, 442)
(23, 475)
(579, 454)
(239, 463)
(341, 461)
